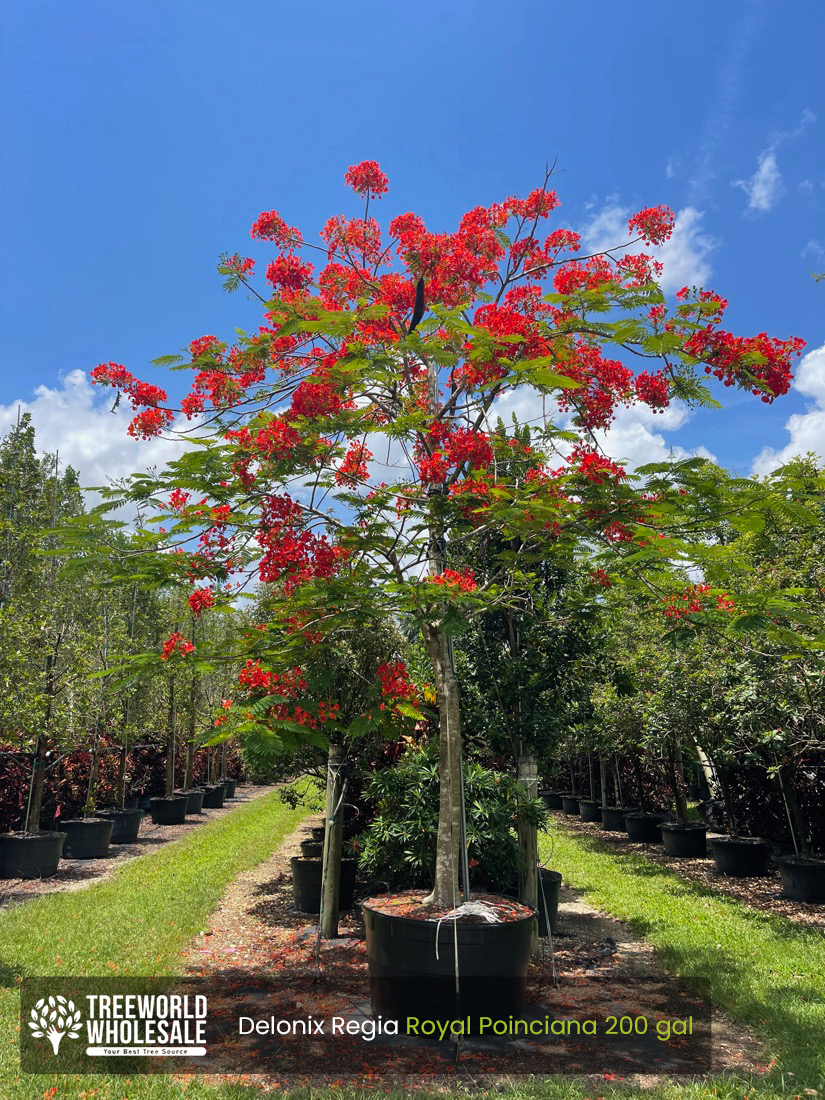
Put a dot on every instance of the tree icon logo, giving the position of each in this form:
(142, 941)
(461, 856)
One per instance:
(55, 1017)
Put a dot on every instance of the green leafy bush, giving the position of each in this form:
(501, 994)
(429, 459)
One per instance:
(398, 847)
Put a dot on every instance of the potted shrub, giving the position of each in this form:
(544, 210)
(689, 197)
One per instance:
(402, 343)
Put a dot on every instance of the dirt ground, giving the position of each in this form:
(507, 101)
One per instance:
(257, 945)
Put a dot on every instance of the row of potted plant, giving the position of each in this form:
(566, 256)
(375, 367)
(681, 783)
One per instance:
(803, 879)
(38, 854)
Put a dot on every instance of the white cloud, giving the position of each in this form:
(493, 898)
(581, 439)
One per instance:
(814, 249)
(75, 419)
(765, 187)
(807, 430)
(635, 436)
(686, 256)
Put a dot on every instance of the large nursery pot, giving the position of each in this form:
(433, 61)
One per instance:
(410, 978)
(213, 796)
(643, 828)
(30, 855)
(318, 832)
(194, 799)
(170, 810)
(740, 856)
(803, 879)
(231, 785)
(684, 841)
(613, 817)
(570, 803)
(144, 801)
(552, 799)
(312, 849)
(589, 811)
(125, 824)
(548, 908)
(306, 884)
(87, 837)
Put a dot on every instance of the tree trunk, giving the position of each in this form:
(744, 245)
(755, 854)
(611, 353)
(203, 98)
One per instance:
(188, 778)
(120, 788)
(591, 771)
(572, 771)
(528, 841)
(799, 827)
(637, 773)
(676, 787)
(619, 795)
(711, 773)
(448, 841)
(32, 824)
(727, 796)
(333, 841)
(603, 780)
(170, 741)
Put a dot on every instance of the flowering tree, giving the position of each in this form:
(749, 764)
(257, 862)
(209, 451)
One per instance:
(345, 442)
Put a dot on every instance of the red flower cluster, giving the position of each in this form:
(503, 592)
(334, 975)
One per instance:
(175, 643)
(201, 600)
(652, 388)
(739, 360)
(141, 394)
(272, 227)
(451, 578)
(596, 467)
(693, 600)
(598, 576)
(449, 449)
(204, 345)
(289, 275)
(242, 266)
(395, 681)
(654, 224)
(287, 684)
(353, 468)
(366, 179)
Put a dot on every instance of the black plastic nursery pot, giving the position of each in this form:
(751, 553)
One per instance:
(552, 799)
(684, 841)
(30, 855)
(131, 802)
(548, 908)
(145, 802)
(170, 810)
(643, 828)
(231, 786)
(194, 799)
(125, 824)
(214, 796)
(87, 837)
(306, 884)
(318, 833)
(409, 977)
(570, 803)
(312, 849)
(613, 817)
(803, 879)
(740, 856)
(589, 811)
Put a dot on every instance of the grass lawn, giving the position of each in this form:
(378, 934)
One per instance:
(763, 970)
(135, 923)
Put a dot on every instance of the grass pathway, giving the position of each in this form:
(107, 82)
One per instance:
(138, 922)
(763, 970)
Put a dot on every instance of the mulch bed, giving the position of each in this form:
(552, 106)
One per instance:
(762, 893)
(76, 874)
(264, 960)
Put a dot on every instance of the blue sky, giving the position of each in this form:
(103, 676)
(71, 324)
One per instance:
(141, 140)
